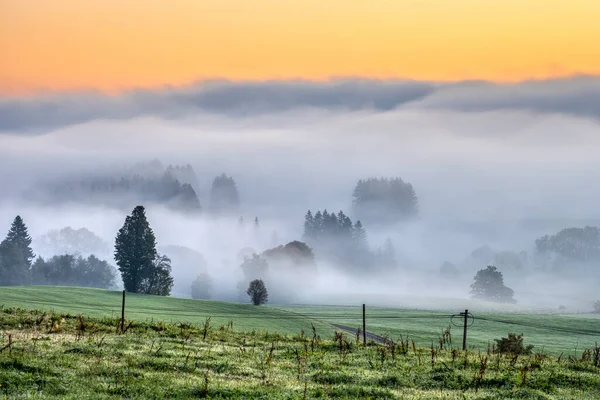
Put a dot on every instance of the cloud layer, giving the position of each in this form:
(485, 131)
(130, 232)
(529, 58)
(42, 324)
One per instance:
(576, 96)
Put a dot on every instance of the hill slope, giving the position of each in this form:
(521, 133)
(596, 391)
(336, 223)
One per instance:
(107, 303)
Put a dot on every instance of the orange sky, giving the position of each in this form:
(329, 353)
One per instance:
(116, 44)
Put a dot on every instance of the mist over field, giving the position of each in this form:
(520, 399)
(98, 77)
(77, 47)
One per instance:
(491, 165)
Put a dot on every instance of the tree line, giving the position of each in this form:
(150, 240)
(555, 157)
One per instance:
(142, 268)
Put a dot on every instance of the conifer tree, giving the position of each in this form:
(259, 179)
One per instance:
(360, 236)
(16, 255)
(309, 225)
(143, 270)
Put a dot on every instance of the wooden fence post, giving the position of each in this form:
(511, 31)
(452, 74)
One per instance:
(364, 326)
(123, 314)
(466, 316)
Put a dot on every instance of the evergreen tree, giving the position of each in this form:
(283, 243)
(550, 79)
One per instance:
(317, 225)
(359, 234)
(142, 269)
(16, 255)
(309, 225)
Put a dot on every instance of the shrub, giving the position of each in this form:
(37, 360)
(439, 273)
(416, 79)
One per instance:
(513, 344)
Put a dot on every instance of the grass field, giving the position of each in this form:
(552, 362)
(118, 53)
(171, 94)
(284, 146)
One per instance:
(552, 334)
(141, 308)
(53, 356)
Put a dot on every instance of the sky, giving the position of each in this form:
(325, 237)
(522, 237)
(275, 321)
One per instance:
(114, 45)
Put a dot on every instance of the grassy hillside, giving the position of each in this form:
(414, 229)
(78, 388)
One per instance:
(548, 333)
(553, 334)
(107, 303)
(52, 357)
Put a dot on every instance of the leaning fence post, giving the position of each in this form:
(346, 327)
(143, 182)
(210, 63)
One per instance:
(364, 326)
(123, 314)
(465, 330)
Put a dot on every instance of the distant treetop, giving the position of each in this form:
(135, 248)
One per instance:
(578, 244)
(384, 200)
(224, 196)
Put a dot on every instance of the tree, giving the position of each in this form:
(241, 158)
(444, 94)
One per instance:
(71, 270)
(295, 254)
(160, 281)
(16, 255)
(94, 272)
(202, 287)
(224, 197)
(576, 244)
(384, 200)
(335, 237)
(254, 267)
(70, 241)
(489, 285)
(142, 269)
(597, 307)
(146, 183)
(257, 292)
(359, 234)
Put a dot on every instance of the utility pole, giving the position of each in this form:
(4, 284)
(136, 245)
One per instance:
(465, 316)
(364, 326)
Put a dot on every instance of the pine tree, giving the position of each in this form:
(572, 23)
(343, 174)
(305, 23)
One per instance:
(16, 255)
(317, 225)
(359, 234)
(136, 256)
(309, 225)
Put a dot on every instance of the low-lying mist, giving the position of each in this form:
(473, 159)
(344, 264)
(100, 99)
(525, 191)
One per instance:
(499, 177)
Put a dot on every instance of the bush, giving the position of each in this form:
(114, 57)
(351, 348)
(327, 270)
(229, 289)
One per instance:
(258, 292)
(513, 344)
